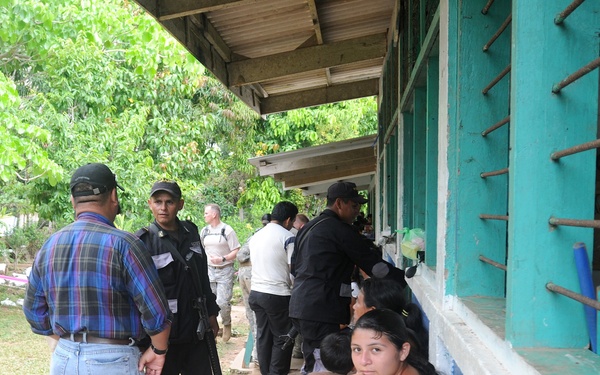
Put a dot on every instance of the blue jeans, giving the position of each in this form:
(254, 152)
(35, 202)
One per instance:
(76, 358)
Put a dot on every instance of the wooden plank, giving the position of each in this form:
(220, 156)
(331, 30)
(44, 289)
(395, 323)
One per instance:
(363, 155)
(309, 98)
(170, 9)
(306, 59)
(341, 171)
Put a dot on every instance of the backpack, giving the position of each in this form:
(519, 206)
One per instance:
(205, 232)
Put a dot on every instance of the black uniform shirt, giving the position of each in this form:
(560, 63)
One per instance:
(177, 278)
(326, 251)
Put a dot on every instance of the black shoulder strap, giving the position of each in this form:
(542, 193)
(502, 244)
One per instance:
(192, 265)
(152, 228)
(304, 235)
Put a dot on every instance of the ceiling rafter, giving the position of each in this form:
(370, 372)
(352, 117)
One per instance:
(170, 9)
(259, 69)
(324, 95)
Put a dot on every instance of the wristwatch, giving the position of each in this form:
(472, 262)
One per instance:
(224, 259)
(158, 351)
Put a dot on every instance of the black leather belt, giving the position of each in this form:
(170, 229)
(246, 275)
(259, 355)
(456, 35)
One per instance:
(96, 340)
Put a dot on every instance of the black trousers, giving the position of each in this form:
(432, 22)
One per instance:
(187, 359)
(272, 324)
(312, 334)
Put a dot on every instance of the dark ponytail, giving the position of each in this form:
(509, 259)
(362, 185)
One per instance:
(391, 325)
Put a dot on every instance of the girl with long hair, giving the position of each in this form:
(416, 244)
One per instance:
(380, 346)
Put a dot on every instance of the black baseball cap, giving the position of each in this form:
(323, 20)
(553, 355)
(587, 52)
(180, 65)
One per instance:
(170, 187)
(345, 190)
(98, 175)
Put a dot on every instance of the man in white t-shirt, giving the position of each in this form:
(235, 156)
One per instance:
(270, 253)
(221, 244)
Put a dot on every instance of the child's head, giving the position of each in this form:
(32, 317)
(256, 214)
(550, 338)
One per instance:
(336, 354)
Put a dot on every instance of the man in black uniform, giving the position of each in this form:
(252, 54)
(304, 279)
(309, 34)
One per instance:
(326, 251)
(167, 234)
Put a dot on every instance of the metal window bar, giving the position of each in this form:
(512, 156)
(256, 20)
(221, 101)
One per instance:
(571, 294)
(575, 76)
(493, 217)
(574, 222)
(493, 263)
(575, 149)
(498, 33)
(560, 17)
(497, 125)
(496, 80)
(487, 7)
(494, 173)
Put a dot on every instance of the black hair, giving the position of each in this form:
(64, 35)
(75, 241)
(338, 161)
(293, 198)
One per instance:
(389, 294)
(384, 294)
(390, 324)
(266, 217)
(283, 211)
(101, 198)
(336, 353)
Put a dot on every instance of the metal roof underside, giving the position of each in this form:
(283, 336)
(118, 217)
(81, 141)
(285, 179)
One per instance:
(313, 169)
(278, 55)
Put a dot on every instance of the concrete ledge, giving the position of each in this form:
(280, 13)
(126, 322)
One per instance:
(562, 361)
(464, 339)
(470, 332)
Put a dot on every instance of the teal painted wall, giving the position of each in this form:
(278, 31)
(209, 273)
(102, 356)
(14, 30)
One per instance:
(470, 154)
(543, 122)
(408, 169)
(431, 179)
(420, 157)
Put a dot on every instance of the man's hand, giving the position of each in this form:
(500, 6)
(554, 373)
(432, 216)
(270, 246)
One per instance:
(152, 362)
(214, 325)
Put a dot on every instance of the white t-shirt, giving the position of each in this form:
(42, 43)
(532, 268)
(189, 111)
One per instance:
(270, 252)
(215, 244)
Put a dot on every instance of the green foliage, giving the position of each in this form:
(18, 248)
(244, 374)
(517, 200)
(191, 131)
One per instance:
(22, 150)
(25, 241)
(101, 81)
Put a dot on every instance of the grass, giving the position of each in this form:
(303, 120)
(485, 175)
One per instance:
(24, 353)
(21, 351)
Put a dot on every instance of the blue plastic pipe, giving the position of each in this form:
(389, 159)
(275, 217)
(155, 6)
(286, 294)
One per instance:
(586, 283)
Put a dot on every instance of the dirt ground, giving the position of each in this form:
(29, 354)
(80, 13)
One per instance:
(231, 349)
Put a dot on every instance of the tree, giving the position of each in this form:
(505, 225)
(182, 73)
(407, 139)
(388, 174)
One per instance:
(96, 81)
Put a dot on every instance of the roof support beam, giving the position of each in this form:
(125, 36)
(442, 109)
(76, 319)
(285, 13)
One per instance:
(194, 39)
(342, 170)
(169, 9)
(357, 156)
(260, 69)
(309, 98)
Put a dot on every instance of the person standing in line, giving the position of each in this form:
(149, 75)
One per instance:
(221, 244)
(270, 251)
(245, 279)
(300, 221)
(167, 234)
(94, 290)
(327, 249)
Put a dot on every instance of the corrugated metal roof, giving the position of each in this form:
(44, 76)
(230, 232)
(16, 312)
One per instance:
(278, 55)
